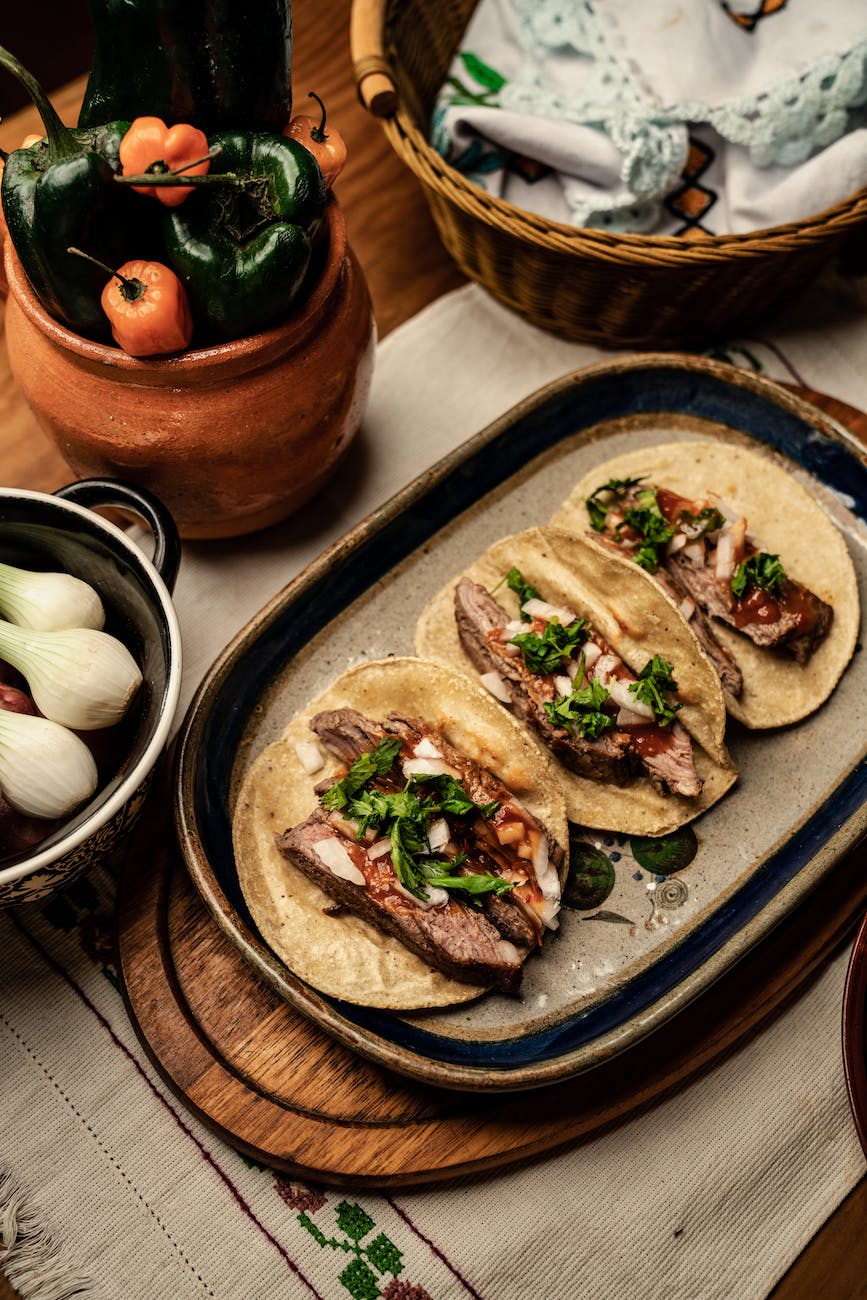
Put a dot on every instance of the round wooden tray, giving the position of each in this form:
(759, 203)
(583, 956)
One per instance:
(279, 1089)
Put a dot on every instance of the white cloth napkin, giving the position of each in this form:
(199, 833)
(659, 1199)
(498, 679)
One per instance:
(710, 1195)
(658, 116)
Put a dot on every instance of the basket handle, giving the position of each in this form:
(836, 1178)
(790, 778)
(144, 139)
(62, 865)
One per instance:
(373, 80)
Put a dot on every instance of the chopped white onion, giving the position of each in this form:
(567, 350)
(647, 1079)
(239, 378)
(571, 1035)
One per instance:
(591, 653)
(694, 552)
(511, 650)
(725, 555)
(687, 607)
(309, 756)
(335, 856)
(629, 718)
(427, 749)
(426, 767)
(439, 834)
(572, 669)
(379, 849)
(563, 684)
(508, 952)
(622, 696)
(604, 667)
(541, 609)
(676, 544)
(515, 627)
(494, 683)
(435, 897)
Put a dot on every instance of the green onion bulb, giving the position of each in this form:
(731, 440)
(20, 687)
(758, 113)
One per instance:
(47, 602)
(45, 770)
(78, 677)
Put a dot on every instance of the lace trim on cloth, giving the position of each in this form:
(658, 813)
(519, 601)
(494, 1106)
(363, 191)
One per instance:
(30, 1258)
(784, 125)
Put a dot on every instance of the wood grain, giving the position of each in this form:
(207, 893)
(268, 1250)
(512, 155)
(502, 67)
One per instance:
(281, 1090)
(393, 234)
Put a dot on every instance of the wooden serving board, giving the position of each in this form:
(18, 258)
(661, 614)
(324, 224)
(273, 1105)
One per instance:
(276, 1087)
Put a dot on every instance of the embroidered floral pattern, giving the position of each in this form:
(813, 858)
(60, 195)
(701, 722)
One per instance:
(363, 1276)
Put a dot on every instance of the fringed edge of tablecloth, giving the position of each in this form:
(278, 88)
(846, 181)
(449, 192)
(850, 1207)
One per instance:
(31, 1258)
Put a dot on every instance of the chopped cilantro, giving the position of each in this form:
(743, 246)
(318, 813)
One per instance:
(759, 570)
(597, 510)
(582, 711)
(362, 770)
(404, 816)
(544, 654)
(656, 677)
(515, 582)
(707, 520)
(652, 527)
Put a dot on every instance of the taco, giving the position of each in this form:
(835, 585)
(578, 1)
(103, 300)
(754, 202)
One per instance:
(402, 845)
(756, 566)
(599, 665)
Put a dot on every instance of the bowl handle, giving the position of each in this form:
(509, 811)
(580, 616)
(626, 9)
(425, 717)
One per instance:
(111, 492)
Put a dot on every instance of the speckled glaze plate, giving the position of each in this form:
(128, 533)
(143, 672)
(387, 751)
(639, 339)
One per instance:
(647, 925)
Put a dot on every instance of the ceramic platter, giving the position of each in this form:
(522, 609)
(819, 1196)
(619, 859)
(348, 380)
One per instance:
(667, 920)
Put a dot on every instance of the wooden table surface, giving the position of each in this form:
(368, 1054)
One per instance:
(406, 267)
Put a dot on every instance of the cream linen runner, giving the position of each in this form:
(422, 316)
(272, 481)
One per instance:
(109, 1189)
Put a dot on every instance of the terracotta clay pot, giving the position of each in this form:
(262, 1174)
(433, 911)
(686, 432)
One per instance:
(233, 437)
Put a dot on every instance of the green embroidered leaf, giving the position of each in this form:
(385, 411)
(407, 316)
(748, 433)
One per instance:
(482, 72)
(666, 854)
(384, 1255)
(590, 879)
(360, 1281)
(464, 94)
(354, 1221)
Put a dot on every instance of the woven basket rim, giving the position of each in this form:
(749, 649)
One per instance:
(432, 169)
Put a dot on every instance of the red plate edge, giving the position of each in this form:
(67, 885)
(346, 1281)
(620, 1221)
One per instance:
(855, 1032)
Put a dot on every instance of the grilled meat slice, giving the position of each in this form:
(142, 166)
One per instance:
(456, 939)
(795, 619)
(478, 615)
(720, 656)
(348, 734)
(791, 618)
(663, 753)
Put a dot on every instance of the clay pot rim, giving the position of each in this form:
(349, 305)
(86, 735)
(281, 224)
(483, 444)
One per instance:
(198, 361)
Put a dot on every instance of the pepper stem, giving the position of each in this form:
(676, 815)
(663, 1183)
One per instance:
(171, 179)
(131, 288)
(160, 168)
(61, 142)
(318, 133)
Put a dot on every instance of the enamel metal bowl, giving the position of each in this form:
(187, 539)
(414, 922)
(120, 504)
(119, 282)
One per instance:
(61, 532)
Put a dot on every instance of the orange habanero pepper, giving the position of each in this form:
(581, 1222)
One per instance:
(148, 309)
(328, 148)
(151, 146)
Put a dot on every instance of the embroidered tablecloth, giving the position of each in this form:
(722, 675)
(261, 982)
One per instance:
(108, 1188)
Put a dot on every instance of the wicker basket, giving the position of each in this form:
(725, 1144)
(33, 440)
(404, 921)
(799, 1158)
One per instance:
(626, 290)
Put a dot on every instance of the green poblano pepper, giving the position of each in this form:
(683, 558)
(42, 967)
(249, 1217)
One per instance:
(61, 192)
(241, 243)
(215, 63)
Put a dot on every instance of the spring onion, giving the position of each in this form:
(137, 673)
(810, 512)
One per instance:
(47, 602)
(80, 677)
(45, 770)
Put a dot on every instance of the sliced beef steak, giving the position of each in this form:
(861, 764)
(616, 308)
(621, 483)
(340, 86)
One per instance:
(608, 759)
(455, 938)
(795, 619)
(720, 656)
